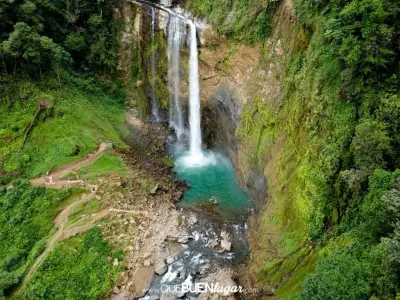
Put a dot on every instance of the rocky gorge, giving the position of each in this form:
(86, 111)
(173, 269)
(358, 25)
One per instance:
(234, 80)
(149, 146)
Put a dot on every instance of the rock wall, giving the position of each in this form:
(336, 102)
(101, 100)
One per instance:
(234, 79)
(243, 94)
(134, 55)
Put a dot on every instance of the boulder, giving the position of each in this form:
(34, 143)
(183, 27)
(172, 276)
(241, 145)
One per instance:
(225, 235)
(192, 220)
(225, 245)
(183, 240)
(141, 280)
(147, 263)
(115, 262)
(170, 260)
(160, 268)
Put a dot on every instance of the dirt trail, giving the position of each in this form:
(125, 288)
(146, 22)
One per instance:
(53, 180)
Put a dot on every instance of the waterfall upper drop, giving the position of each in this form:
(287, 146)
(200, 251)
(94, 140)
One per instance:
(194, 98)
(176, 32)
(178, 23)
(154, 101)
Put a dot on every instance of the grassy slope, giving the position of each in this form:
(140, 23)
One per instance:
(107, 163)
(77, 268)
(81, 118)
(26, 220)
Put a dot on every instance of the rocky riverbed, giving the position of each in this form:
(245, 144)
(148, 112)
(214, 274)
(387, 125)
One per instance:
(165, 244)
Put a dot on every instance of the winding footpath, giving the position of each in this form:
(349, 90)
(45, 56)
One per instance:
(55, 180)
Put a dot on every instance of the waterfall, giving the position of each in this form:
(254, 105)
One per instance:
(195, 157)
(154, 102)
(176, 30)
(194, 97)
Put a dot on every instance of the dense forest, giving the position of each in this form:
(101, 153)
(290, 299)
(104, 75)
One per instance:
(338, 174)
(59, 95)
(40, 36)
(338, 178)
(357, 198)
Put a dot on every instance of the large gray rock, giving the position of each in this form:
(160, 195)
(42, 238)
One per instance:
(141, 280)
(225, 245)
(183, 240)
(160, 268)
(170, 260)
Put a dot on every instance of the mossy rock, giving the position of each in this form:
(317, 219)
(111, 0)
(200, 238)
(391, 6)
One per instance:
(168, 162)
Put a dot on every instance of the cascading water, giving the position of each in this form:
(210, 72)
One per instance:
(176, 30)
(194, 97)
(154, 102)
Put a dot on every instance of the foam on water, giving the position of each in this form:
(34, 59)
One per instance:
(211, 176)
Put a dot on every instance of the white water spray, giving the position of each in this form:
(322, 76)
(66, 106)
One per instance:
(154, 103)
(176, 30)
(194, 97)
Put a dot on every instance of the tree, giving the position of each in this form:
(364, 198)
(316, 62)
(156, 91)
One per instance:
(339, 276)
(26, 45)
(370, 144)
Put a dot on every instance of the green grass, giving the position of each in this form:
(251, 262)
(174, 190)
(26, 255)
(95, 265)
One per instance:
(82, 117)
(77, 268)
(242, 20)
(26, 220)
(83, 209)
(106, 164)
(75, 194)
(292, 287)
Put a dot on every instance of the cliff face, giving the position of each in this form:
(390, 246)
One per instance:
(134, 57)
(236, 80)
(242, 88)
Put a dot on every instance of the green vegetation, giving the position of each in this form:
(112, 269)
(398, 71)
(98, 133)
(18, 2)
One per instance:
(59, 98)
(77, 268)
(106, 164)
(337, 134)
(50, 112)
(331, 143)
(26, 220)
(161, 69)
(83, 209)
(72, 127)
(39, 35)
(243, 20)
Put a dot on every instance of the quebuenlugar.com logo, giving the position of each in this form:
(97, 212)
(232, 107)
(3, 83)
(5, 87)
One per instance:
(201, 287)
